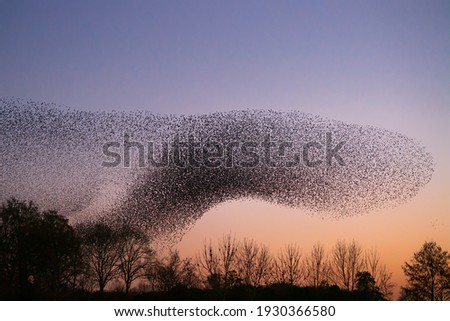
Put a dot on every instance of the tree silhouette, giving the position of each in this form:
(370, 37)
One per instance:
(36, 250)
(168, 272)
(347, 261)
(228, 248)
(288, 268)
(378, 270)
(100, 246)
(133, 254)
(43, 257)
(219, 265)
(171, 272)
(367, 287)
(16, 264)
(56, 251)
(318, 268)
(208, 265)
(428, 274)
(253, 263)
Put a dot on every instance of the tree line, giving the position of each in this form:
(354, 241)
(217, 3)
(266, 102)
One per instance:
(43, 257)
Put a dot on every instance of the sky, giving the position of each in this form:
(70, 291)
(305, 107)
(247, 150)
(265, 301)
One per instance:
(380, 63)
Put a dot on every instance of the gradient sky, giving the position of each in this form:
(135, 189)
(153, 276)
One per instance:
(381, 63)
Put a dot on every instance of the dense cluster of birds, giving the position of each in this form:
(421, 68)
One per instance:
(56, 157)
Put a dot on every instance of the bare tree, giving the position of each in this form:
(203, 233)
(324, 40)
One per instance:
(339, 265)
(172, 271)
(253, 262)
(355, 262)
(209, 258)
(287, 268)
(263, 266)
(347, 261)
(218, 265)
(317, 267)
(382, 277)
(167, 271)
(208, 264)
(189, 277)
(227, 250)
(99, 245)
(133, 254)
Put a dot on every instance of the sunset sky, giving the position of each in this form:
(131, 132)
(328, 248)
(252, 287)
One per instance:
(380, 63)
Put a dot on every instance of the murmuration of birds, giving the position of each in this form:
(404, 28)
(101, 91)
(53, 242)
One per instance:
(161, 173)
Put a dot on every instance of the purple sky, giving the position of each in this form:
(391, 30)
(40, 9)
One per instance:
(201, 56)
(381, 63)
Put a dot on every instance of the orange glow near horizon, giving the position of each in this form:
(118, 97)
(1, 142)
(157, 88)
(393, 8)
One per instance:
(395, 233)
